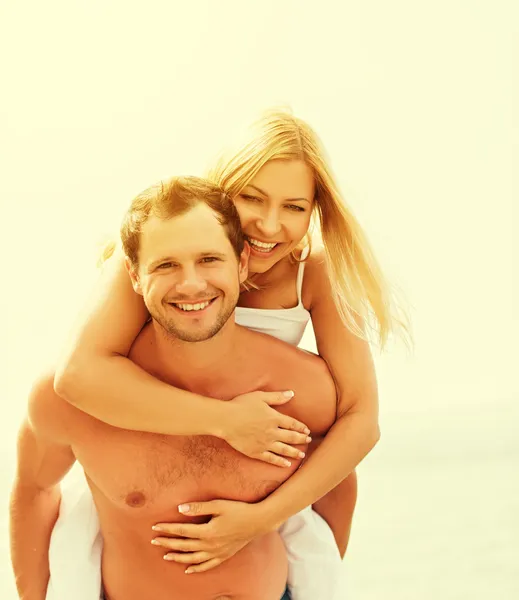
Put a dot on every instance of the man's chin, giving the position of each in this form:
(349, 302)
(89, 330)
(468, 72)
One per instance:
(192, 337)
(191, 334)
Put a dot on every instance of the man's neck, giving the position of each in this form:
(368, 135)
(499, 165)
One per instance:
(199, 366)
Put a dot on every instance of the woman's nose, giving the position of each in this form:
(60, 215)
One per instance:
(269, 224)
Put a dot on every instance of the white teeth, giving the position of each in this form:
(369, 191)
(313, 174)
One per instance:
(198, 306)
(263, 245)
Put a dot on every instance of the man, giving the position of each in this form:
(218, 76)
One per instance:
(186, 256)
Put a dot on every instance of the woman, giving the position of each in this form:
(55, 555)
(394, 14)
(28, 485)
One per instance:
(278, 181)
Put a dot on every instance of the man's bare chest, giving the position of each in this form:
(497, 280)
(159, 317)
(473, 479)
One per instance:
(137, 470)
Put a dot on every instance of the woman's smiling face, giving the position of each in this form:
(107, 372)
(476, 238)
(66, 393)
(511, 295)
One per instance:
(275, 210)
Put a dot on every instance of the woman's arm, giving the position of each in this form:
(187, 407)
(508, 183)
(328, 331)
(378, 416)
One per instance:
(337, 506)
(96, 376)
(356, 430)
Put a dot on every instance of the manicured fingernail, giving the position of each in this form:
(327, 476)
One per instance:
(167, 557)
(157, 528)
(301, 455)
(306, 431)
(288, 394)
(308, 439)
(188, 571)
(183, 508)
(155, 542)
(287, 463)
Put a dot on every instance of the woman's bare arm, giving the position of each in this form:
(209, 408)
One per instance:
(337, 507)
(96, 376)
(356, 430)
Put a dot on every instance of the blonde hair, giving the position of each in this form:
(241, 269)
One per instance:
(360, 291)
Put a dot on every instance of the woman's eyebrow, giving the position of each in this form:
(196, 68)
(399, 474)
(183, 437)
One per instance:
(258, 189)
(286, 199)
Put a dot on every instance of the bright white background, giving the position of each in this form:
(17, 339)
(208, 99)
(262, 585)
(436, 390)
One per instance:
(417, 104)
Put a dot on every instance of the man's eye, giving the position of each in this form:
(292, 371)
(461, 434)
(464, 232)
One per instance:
(165, 265)
(209, 259)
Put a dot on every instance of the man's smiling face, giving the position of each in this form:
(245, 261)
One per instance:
(189, 274)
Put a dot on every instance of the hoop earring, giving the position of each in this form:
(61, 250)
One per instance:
(308, 240)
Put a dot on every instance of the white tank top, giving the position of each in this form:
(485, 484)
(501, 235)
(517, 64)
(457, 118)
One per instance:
(287, 324)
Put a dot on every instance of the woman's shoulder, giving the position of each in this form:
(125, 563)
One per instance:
(316, 258)
(316, 279)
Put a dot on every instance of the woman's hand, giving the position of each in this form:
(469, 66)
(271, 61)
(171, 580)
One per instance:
(205, 546)
(255, 429)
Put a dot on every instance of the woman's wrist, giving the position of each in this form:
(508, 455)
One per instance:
(215, 418)
(268, 517)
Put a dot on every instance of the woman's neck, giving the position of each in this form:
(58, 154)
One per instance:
(273, 276)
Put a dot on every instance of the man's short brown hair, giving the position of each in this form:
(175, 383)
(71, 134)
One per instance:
(174, 197)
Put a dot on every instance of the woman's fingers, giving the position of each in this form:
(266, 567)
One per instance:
(286, 450)
(205, 566)
(179, 544)
(286, 422)
(281, 451)
(185, 530)
(274, 459)
(283, 447)
(192, 558)
(292, 437)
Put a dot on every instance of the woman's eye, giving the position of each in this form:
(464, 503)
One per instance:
(295, 207)
(250, 198)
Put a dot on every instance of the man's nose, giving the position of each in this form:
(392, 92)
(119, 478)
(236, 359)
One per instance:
(191, 282)
(269, 224)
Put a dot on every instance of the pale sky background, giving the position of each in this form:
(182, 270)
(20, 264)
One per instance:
(417, 105)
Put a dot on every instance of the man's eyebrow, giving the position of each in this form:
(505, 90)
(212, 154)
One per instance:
(286, 199)
(213, 253)
(204, 254)
(157, 262)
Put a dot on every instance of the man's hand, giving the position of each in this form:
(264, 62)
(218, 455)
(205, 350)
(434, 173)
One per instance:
(259, 431)
(207, 545)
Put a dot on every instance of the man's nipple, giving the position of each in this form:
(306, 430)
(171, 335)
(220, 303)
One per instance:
(135, 499)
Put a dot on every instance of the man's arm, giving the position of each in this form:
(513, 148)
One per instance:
(43, 460)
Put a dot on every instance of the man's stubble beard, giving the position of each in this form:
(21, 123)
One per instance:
(174, 333)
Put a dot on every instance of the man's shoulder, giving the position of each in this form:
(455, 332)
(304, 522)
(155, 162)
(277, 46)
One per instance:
(288, 367)
(269, 349)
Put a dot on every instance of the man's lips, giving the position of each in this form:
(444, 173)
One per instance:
(197, 307)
